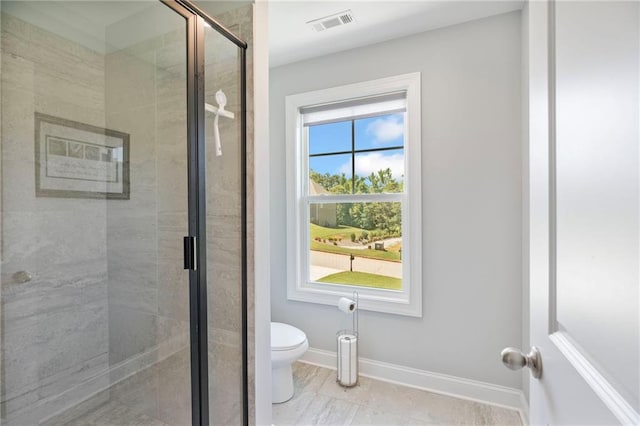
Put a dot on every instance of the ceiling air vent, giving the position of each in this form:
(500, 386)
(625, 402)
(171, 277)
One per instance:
(331, 21)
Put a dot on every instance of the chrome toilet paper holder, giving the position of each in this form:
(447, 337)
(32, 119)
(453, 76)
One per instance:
(347, 341)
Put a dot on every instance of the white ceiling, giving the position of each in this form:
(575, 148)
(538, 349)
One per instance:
(292, 40)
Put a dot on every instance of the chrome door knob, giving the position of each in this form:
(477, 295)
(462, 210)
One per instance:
(514, 359)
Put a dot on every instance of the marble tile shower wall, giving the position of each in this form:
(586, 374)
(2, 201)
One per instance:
(224, 250)
(222, 66)
(108, 296)
(148, 289)
(162, 391)
(54, 327)
(224, 194)
(108, 290)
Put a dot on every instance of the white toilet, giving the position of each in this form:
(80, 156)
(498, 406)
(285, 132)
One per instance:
(288, 344)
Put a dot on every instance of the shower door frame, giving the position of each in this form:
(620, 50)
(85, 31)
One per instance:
(197, 185)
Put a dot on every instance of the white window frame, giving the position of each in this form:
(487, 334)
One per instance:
(407, 301)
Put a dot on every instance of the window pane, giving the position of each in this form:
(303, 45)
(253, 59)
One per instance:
(332, 137)
(380, 171)
(380, 132)
(356, 244)
(330, 173)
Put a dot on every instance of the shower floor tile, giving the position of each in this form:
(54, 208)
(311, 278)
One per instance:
(319, 400)
(156, 396)
(115, 413)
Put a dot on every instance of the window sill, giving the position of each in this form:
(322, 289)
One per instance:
(375, 300)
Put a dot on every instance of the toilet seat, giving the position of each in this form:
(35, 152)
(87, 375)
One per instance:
(285, 337)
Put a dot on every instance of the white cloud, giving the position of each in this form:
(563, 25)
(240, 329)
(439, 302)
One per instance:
(375, 161)
(386, 129)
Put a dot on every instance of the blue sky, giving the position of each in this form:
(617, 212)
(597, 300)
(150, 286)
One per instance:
(370, 133)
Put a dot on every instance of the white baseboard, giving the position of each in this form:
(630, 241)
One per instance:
(458, 387)
(524, 409)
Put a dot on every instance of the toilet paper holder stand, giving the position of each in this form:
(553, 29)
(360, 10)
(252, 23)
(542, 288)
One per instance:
(347, 350)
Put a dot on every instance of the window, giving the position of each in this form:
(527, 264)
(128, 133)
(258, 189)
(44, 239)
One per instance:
(354, 201)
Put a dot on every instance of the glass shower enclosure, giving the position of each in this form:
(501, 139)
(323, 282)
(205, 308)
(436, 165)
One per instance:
(123, 215)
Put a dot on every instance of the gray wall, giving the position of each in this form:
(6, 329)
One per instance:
(472, 200)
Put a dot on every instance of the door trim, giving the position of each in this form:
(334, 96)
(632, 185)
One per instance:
(596, 381)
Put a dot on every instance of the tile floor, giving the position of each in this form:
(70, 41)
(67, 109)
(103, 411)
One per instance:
(319, 400)
(161, 396)
(115, 413)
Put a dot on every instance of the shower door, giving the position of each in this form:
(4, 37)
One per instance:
(225, 200)
(107, 163)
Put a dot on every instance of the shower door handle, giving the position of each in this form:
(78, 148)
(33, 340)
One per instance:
(190, 257)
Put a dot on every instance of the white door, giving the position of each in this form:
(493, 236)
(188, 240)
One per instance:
(583, 207)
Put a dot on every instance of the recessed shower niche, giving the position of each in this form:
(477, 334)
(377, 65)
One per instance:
(114, 148)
